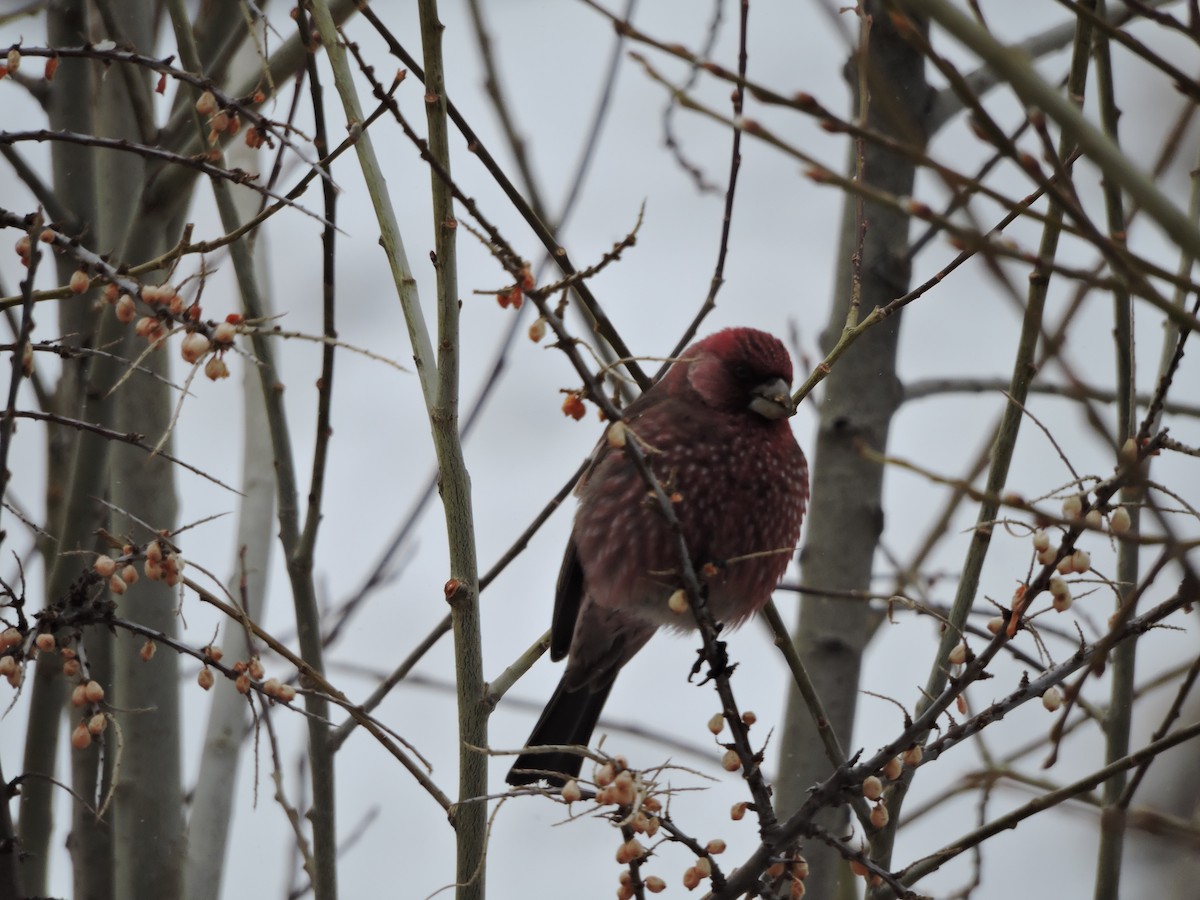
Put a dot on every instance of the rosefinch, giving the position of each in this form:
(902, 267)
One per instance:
(715, 433)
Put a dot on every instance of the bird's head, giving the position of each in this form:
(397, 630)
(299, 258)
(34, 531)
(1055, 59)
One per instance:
(740, 370)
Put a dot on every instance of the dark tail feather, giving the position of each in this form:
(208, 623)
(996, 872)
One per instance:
(569, 718)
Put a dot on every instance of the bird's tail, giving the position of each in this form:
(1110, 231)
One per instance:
(569, 718)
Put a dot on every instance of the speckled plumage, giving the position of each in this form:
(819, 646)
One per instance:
(741, 484)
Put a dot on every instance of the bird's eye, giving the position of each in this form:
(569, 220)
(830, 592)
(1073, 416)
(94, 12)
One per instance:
(741, 370)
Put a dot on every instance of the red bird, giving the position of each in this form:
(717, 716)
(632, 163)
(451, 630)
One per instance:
(715, 433)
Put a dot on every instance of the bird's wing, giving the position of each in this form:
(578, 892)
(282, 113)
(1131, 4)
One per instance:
(568, 594)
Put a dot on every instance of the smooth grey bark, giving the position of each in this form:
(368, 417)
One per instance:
(73, 167)
(862, 392)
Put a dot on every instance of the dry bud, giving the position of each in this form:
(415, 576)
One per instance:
(800, 868)
(13, 60)
(655, 885)
(1041, 540)
(71, 668)
(691, 879)
(570, 791)
(1072, 507)
(79, 695)
(872, 787)
(629, 851)
(10, 637)
(216, 369)
(242, 684)
(116, 584)
(129, 574)
(604, 775)
(749, 717)
(1052, 699)
(1093, 519)
(1081, 560)
(1045, 557)
(677, 602)
(79, 282)
(45, 643)
(8, 665)
(879, 815)
(704, 867)
(126, 309)
(81, 738)
(1129, 452)
(715, 847)
(716, 724)
(537, 330)
(730, 761)
(93, 691)
(147, 651)
(959, 654)
(224, 333)
(97, 723)
(207, 104)
(194, 346)
(738, 811)
(995, 624)
(1119, 522)
(205, 678)
(255, 669)
(616, 435)
(893, 768)
(1060, 593)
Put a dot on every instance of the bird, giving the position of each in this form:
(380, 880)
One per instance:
(714, 431)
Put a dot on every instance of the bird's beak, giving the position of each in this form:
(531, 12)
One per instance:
(773, 399)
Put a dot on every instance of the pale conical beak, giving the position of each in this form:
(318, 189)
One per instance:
(773, 399)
